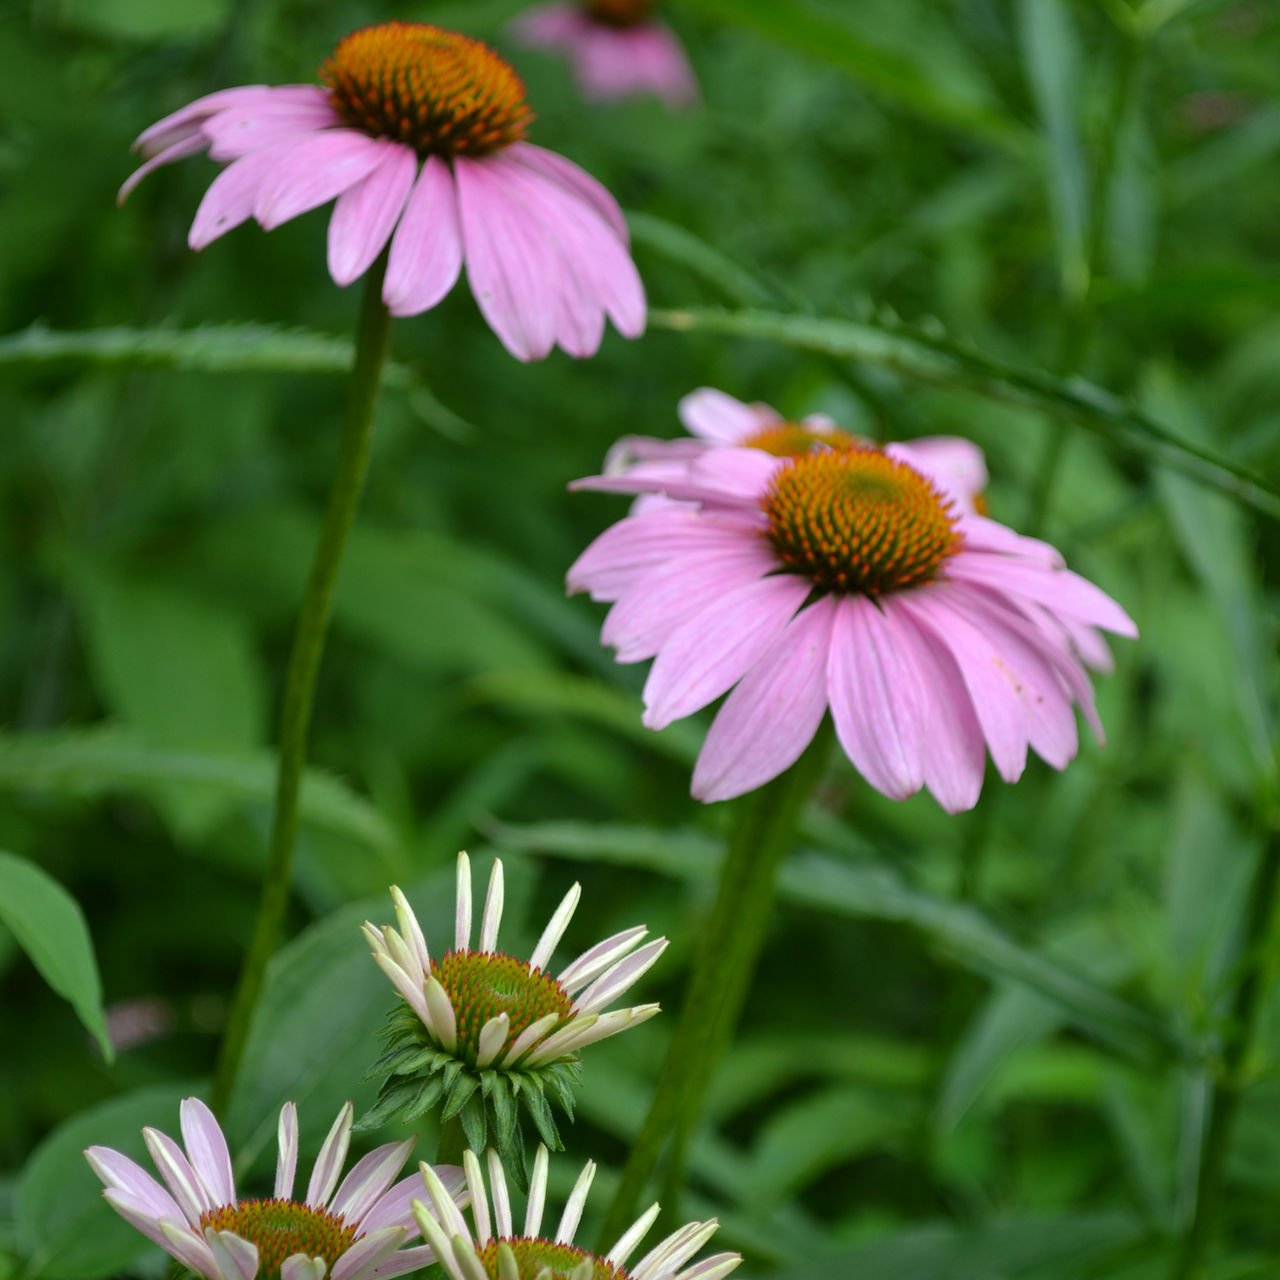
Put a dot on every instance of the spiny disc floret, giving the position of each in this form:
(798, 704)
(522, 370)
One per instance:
(281, 1228)
(859, 521)
(798, 440)
(483, 984)
(439, 92)
(620, 13)
(534, 1255)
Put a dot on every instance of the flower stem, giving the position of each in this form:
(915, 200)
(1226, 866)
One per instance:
(763, 833)
(372, 334)
(1258, 962)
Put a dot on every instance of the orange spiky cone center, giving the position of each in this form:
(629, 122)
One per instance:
(434, 90)
(281, 1228)
(535, 1255)
(859, 521)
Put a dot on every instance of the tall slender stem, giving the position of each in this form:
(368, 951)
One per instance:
(304, 663)
(1259, 965)
(763, 833)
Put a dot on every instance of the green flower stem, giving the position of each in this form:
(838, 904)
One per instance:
(1258, 962)
(453, 1142)
(372, 335)
(763, 833)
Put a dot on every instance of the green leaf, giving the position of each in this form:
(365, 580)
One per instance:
(460, 1091)
(885, 71)
(473, 1123)
(50, 927)
(684, 249)
(105, 761)
(682, 854)
(146, 20)
(65, 1228)
(940, 362)
(1052, 58)
(219, 348)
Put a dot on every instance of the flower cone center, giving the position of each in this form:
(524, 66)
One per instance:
(534, 1254)
(795, 440)
(620, 13)
(858, 521)
(281, 1228)
(439, 92)
(484, 984)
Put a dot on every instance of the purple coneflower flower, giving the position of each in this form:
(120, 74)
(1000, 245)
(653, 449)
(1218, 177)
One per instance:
(857, 579)
(486, 1032)
(349, 1232)
(496, 1252)
(618, 49)
(419, 136)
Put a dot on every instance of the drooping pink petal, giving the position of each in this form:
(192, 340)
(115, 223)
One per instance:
(180, 149)
(190, 1249)
(983, 534)
(311, 170)
(207, 1150)
(714, 415)
(710, 652)
(511, 274)
(181, 123)
(644, 619)
(426, 250)
(136, 1187)
(728, 477)
(954, 751)
(403, 1261)
(879, 702)
(365, 214)
(624, 552)
(575, 180)
(231, 195)
(1059, 590)
(956, 466)
(369, 1179)
(393, 1209)
(238, 130)
(769, 719)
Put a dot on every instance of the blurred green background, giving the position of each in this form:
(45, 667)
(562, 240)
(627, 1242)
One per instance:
(978, 1046)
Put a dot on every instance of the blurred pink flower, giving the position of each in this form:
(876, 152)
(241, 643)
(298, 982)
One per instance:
(718, 421)
(546, 246)
(349, 1232)
(617, 49)
(855, 579)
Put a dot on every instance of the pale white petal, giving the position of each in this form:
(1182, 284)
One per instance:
(501, 1200)
(462, 918)
(554, 931)
(333, 1155)
(287, 1155)
(492, 918)
(410, 929)
(591, 964)
(479, 1201)
(493, 1035)
(537, 1193)
(577, 1200)
(440, 1012)
(530, 1036)
(297, 1266)
(631, 1238)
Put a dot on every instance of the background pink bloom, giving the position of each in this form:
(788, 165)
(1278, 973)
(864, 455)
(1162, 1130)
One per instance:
(917, 679)
(545, 245)
(612, 62)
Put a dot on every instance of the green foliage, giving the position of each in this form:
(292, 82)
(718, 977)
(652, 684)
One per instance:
(976, 1046)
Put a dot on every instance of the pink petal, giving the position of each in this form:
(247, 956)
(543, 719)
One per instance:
(404, 1261)
(983, 534)
(333, 1154)
(370, 1250)
(179, 1176)
(236, 1257)
(184, 121)
(719, 477)
(714, 649)
(178, 151)
(575, 180)
(236, 132)
(954, 751)
(614, 63)
(393, 1209)
(365, 214)
(643, 620)
(1058, 590)
(311, 170)
(136, 1188)
(207, 1150)
(626, 551)
(769, 719)
(878, 698)
(190, 1249)
(369, 1180)
(714, 415)
(955, 465)
(511, 274)
(426, 251)
(231, 195)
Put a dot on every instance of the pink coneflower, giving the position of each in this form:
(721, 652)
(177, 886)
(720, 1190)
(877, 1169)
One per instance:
(718, 421)
(419, 136)
(848, 578)
(618, 49)
(497, 1252)
(349, 1232)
